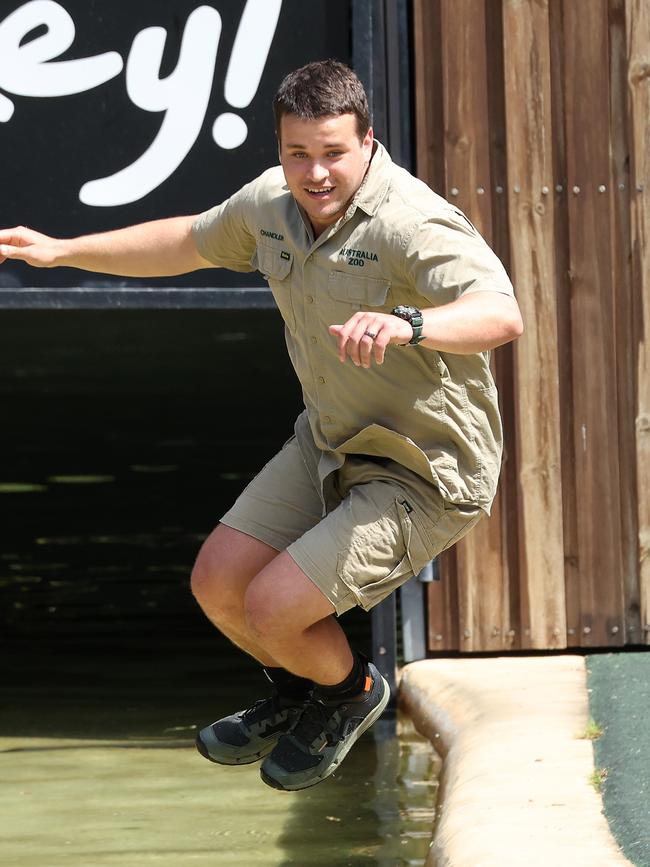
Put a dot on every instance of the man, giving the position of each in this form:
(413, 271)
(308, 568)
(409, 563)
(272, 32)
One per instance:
(392, 302)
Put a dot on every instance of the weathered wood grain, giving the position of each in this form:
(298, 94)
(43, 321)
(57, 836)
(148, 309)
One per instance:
(429, 147)
(442, 607)
(563, 302)
(626, 380)
(587, 101)
(637, 16)
(531, 207)
(565, 558)
(480, 556)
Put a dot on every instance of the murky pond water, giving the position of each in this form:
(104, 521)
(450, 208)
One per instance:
(98, 768)
(108, 484)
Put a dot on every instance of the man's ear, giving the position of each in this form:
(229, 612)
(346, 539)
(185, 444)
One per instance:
(367, 143)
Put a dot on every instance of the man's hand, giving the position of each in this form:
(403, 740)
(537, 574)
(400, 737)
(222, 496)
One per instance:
(29, 246)
(366, 335)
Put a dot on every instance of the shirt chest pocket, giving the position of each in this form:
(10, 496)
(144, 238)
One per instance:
(359, 292)
(275, 266)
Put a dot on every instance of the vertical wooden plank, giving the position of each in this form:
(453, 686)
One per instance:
(443, 606)
(592, 318)
(442, 596)
(563, 303)
(531, 206)
(480, 557)
(637, 15)
(502, 359)
(465, 107)
(429, 148)
(626, 381)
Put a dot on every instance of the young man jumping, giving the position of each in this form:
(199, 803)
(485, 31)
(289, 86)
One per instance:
(391, 302)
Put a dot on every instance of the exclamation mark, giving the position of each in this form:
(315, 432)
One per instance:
(247, 61)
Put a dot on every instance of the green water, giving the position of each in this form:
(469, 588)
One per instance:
(98, 768)
(125, 436)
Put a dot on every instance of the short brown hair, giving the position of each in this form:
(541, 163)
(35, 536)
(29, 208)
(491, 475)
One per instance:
(324, 88)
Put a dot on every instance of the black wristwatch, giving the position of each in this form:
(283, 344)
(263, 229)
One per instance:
(414, 317)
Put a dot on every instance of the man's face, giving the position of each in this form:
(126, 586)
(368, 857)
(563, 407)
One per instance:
(324, 163)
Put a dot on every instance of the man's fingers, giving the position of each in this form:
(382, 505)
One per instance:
(364, 337)
(380, 344)
(9, 252)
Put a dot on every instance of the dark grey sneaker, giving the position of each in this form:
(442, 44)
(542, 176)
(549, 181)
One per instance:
(323, 736)
(251, 734)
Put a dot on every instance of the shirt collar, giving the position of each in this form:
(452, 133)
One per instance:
(375, 184)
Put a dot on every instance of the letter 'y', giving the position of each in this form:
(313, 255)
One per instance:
(183, 96)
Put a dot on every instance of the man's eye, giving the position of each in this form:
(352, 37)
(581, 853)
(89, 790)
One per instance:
(299, 155)
(335, 154)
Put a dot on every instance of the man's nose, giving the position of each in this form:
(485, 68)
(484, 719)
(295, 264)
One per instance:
(317, 172)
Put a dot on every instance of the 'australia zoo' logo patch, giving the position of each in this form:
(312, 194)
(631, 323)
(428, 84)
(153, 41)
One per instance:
(358, 257)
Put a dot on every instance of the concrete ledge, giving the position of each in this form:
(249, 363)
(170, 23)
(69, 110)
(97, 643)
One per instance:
(515, 787)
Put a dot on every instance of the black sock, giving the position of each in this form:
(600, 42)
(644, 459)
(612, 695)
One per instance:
(353, 684)
(288, 684)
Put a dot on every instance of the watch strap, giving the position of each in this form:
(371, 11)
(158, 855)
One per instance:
(415, 319)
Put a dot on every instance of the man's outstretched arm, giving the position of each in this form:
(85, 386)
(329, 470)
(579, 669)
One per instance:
(162, 248)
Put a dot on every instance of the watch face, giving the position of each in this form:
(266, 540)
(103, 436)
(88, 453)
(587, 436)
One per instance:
(406, 312)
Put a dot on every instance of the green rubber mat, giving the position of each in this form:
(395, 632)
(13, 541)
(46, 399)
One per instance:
(619, 699)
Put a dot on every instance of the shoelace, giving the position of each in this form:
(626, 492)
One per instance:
(259, 709)
(313, 723)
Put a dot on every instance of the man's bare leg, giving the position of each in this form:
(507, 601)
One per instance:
(292, 620)
(226, 564)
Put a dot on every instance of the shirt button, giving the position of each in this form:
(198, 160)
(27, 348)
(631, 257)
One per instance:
(321, 379)
(327, 419)
(309, 299)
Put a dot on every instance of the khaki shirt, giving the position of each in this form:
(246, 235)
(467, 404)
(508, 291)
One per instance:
(435, 413)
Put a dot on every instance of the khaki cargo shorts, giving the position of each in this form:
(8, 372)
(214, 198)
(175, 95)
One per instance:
(385, 525)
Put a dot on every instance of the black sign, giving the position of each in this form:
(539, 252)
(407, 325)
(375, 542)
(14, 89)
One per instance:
(116, 113)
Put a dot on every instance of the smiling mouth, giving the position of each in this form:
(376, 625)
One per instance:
(318, 191)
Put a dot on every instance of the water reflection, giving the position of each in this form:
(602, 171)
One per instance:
(98, 768)
(106, 665)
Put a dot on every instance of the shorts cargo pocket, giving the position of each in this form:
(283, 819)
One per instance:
(384, 556)
(274, 264)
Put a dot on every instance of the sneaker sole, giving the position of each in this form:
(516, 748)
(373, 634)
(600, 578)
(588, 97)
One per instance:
(225, 759)
(354, 737)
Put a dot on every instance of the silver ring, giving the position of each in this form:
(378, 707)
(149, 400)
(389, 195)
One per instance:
(370, 334)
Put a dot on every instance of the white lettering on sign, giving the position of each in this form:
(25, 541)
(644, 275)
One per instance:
(28, 68)
(183, 96)
(247, 61)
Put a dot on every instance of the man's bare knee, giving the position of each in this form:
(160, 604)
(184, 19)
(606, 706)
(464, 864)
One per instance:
(226, 564)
